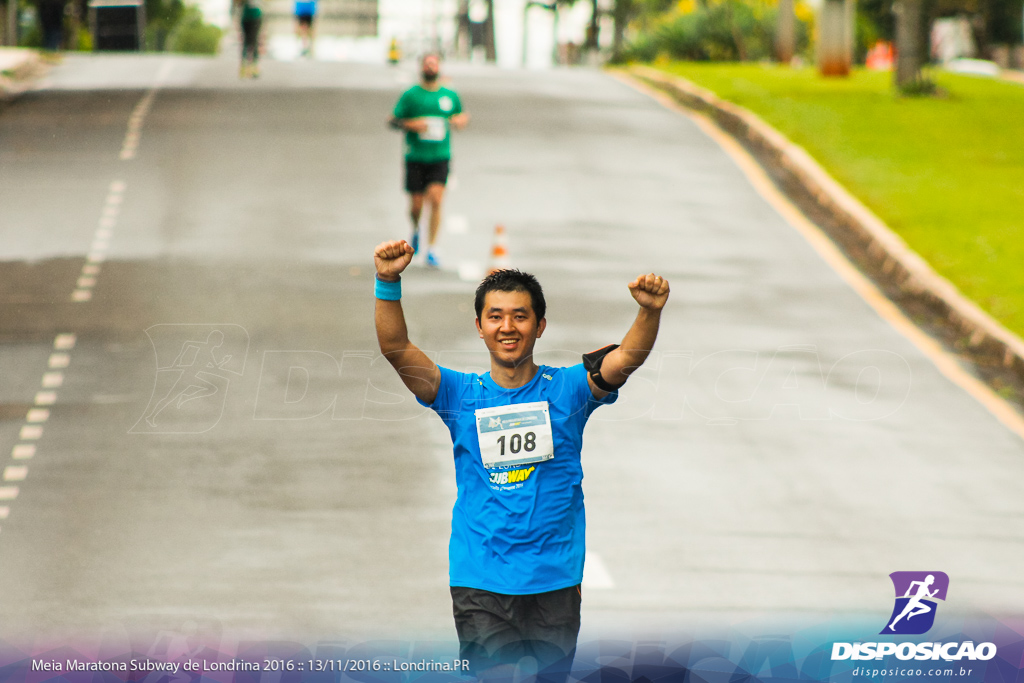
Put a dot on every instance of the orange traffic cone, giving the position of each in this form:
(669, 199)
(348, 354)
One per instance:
(499, 252)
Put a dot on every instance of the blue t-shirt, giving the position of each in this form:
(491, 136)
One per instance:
(518, 529)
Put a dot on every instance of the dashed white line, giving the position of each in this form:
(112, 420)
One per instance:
(52, 380)
(137, 118)
(59, 360)
(470, 271)
(64, 342)
(15, 473)
(45, 398)
(32, 429)
(30, 432)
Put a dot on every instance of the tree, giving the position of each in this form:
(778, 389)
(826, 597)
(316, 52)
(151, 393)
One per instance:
(909, 57)
(621, 14)
(785, 32)
(835, 37)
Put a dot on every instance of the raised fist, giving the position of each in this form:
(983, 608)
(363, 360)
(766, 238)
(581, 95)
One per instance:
(391, 258)
(650, 291)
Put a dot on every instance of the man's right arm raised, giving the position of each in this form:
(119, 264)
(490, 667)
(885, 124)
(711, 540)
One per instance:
(419, 374)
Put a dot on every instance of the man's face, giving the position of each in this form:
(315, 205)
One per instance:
(431, 67)
(509, 327)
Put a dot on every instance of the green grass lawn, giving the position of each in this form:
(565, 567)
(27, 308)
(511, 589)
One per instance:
(947, 173)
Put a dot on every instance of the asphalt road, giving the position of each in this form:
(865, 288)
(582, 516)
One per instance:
(782, 452)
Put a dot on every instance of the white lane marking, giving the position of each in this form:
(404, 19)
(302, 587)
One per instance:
(457, 225)
(100, 242)
(30, 432)
(134, 133)
(52, 380)
(32, 429)
(46, 398)
(595, 574)
(138, 116)
(470, 271)
(15, 473)
(945, 362)
(64, 342)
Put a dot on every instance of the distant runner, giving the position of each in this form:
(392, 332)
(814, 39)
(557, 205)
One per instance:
(305, 14)
(251, 19)
(518, 527)
(427, 112)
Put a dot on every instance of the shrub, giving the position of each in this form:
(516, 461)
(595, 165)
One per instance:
(726, 30)
(193, 36)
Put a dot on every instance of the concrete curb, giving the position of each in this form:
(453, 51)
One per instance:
(903, 271)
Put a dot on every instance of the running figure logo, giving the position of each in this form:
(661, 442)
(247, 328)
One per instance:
(194, 368)
(916, 595)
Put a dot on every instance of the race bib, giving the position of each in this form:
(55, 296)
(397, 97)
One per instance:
(515, 434)
(437, 129)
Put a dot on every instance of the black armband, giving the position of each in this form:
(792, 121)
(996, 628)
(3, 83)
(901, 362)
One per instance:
(592, 363)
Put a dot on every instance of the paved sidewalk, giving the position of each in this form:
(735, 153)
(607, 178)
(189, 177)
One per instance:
(1013, 75)
(17, 67)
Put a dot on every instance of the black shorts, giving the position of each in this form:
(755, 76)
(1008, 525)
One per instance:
(304, 19)
(419, 174)
(502, 629)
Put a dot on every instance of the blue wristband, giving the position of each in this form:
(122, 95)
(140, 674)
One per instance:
(387, 291)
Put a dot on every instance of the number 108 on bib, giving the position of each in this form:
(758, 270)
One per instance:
(514, 435)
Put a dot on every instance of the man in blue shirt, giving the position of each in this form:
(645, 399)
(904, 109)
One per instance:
(518, 527)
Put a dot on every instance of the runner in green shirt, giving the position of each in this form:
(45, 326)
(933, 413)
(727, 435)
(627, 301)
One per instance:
(427, 112)
(251, 18)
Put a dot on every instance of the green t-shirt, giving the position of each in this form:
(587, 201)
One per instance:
(436, 106)
(251, 10)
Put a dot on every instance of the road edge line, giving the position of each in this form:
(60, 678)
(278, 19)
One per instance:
(893, 249)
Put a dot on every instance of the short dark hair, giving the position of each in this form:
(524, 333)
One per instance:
(512, 280)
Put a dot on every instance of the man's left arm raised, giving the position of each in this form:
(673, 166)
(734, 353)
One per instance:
(651, 293)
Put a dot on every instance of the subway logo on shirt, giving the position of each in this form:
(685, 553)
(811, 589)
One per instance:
(511, 476)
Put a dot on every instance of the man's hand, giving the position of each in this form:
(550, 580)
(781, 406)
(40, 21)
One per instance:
(650, 291)
(415, 125)
(391, 258)
(459, 121)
